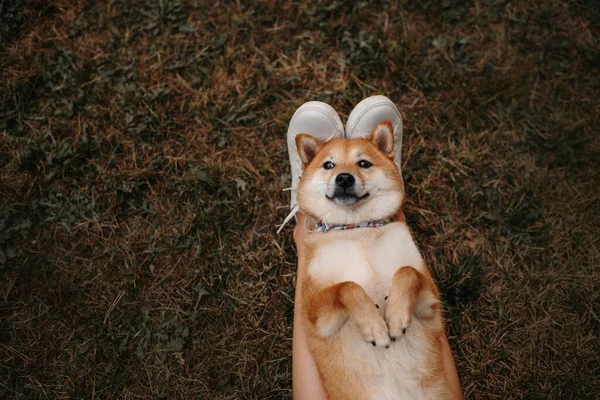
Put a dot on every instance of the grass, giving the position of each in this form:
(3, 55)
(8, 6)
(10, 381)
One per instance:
(142, 157)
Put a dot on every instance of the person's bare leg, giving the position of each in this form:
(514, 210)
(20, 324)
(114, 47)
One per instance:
(306, 379)
(307, 383)
(450, 368)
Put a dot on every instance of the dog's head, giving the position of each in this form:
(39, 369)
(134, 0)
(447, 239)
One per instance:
(348, 181)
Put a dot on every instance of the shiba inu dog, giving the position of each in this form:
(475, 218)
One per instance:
(372, 310)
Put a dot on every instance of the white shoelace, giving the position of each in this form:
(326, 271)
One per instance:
(291, 215)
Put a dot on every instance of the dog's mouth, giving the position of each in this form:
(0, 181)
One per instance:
(347, 199)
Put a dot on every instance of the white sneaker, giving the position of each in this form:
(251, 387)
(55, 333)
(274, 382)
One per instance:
(371, 111)
(319, 120)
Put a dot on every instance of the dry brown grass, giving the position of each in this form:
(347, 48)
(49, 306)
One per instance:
(142, 157)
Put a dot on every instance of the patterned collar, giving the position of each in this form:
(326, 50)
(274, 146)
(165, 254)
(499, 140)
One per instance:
(325, 227)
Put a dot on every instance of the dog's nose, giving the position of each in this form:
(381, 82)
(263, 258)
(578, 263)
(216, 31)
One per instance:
(344, 180)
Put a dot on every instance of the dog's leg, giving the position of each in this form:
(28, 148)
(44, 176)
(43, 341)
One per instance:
(329, 308)
(411, 293)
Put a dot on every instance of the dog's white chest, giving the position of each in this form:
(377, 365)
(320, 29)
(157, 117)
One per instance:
(367, 259)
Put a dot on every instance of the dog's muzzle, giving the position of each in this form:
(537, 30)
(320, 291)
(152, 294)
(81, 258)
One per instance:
(344, 193)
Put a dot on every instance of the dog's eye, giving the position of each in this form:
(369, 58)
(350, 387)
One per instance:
(328, 165)
(364, 164)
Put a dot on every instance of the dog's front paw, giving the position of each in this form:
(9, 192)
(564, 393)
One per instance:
(398, 316)
(373, 329)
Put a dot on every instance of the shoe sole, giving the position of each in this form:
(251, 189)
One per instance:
(363, 107)
(322, 107)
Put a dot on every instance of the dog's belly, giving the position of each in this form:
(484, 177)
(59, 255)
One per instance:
(388, 374)
(370, 258)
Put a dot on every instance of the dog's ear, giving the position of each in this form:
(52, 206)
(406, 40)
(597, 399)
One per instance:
(308, 147)
(383, 138)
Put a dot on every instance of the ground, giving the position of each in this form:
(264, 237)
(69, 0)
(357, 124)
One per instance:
(143, 157)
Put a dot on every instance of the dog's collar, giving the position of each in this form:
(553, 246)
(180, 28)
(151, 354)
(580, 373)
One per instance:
(325, 227)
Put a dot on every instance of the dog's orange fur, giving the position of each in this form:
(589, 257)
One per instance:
(337, 312)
